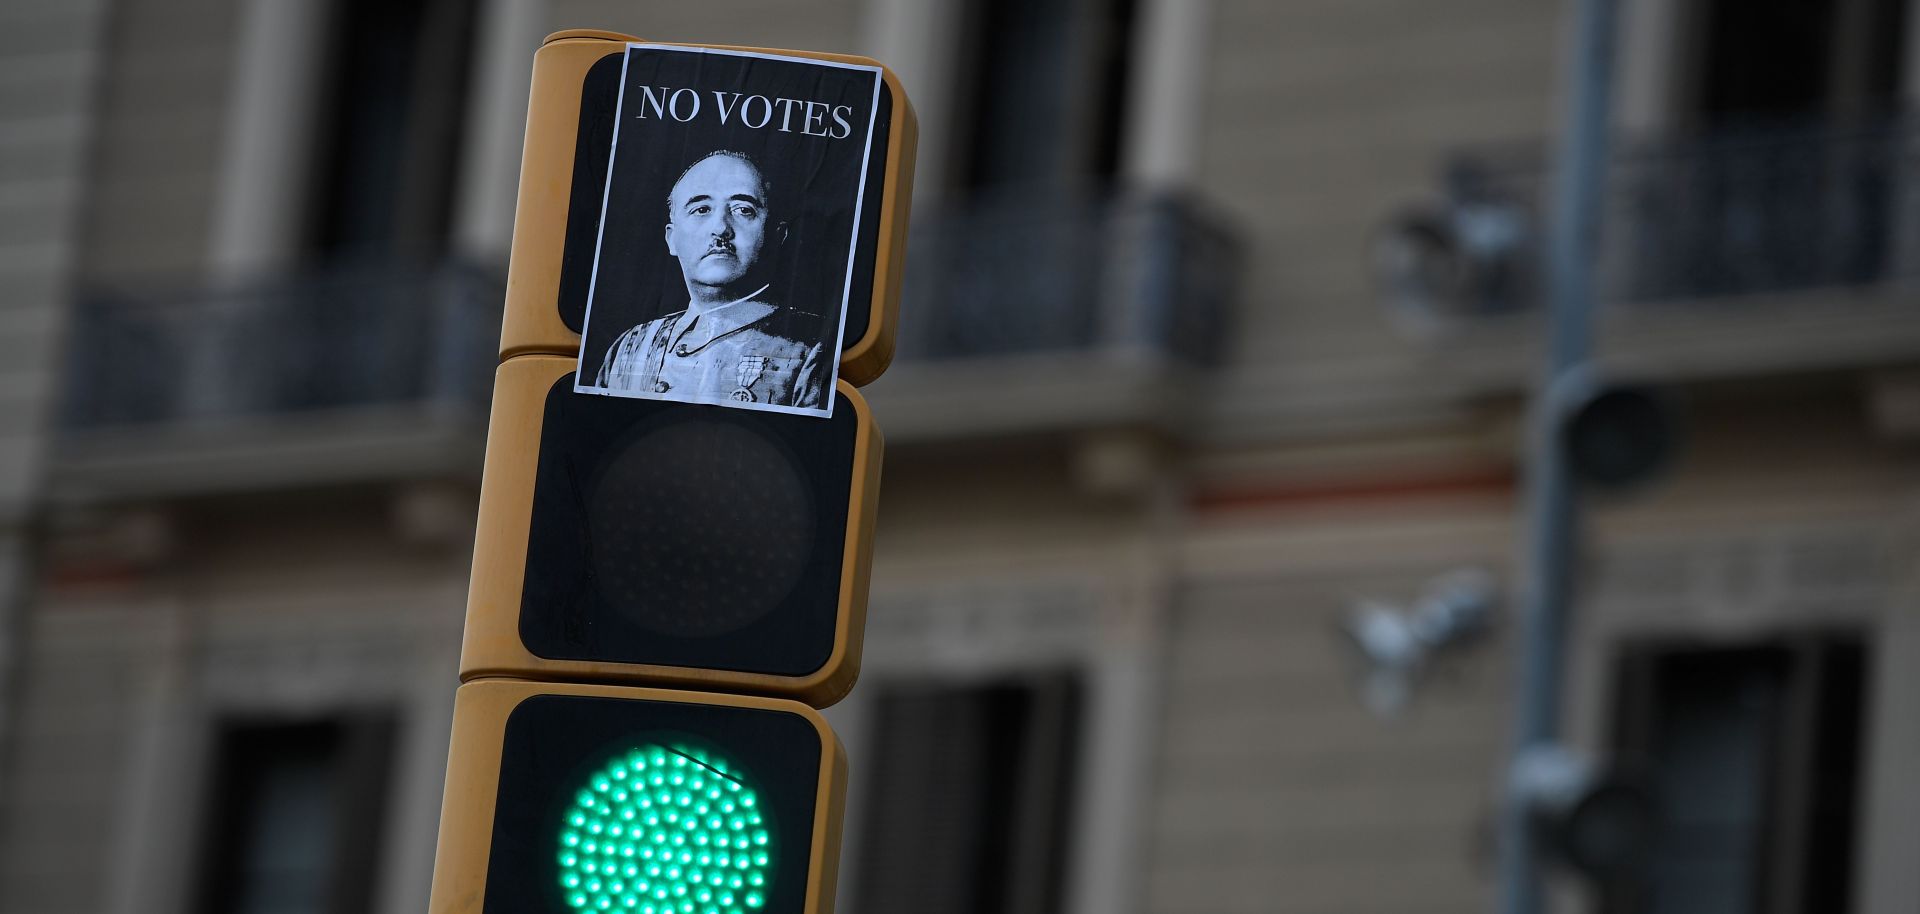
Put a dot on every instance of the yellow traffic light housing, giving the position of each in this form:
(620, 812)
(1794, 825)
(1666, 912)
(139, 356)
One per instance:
(676, 544)
(570, 123)
(698, 512)
(569, 799)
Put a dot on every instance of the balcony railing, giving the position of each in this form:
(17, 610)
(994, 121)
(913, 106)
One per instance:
(1684, 220)
(346, 377)
(342, 340)
(1026, 276)
(1016, 317)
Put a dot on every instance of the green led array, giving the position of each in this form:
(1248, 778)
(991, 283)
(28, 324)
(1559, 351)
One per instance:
(666, 830)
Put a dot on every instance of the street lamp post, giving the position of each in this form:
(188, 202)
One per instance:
(1552, 516)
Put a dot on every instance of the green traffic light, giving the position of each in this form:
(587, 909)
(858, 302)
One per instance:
(666, 830)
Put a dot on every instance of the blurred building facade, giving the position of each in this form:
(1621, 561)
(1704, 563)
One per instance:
(1157, 423)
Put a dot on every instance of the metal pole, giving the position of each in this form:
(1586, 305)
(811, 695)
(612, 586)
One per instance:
(1552, 515)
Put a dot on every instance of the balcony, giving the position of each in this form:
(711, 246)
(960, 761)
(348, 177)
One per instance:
(1784, 249)
(351, 375)
(1021, 317)
(1016, 321)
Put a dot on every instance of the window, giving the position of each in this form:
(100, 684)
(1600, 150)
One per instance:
(390, 120)
(1780, 59)
(1754, 753)
(295, 820)
(1788, 167)
(1045, 90)
(970, 796)
(1029, 258)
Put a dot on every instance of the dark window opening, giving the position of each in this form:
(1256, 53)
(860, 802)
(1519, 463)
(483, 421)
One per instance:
(391, 116)
(294, 821)
(1754, 753)
(1044, 93)
(1773, 60)
(969, 800)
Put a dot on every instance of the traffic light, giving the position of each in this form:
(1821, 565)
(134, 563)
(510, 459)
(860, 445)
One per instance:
(579, 799)
(564, 167)
(1617, 436)
(673, 544)
(671, 565)
(1597, 819)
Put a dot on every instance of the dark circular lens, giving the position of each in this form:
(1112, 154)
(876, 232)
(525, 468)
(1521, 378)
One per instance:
(698, 528)
(1621, 437)
(1609, 833)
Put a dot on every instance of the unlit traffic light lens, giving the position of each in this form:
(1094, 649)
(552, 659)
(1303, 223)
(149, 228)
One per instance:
(666, 830)
(699, 529)
(698, 537)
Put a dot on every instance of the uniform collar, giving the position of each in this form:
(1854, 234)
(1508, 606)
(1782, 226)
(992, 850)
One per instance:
(719, 321)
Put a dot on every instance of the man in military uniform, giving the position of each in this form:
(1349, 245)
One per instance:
(730, 344)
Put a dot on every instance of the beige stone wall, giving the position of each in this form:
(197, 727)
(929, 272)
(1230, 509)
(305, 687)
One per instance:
(309, 611)
(49, 70)
(1322, 118)
(1275, 788)
(162, 114)
(829, 26)
(50, 62)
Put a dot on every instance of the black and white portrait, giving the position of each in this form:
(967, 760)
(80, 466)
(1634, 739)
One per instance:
(727, 229)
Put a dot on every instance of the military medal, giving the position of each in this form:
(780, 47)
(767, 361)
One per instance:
(750, 369)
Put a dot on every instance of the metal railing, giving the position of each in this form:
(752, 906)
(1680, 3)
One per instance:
(344, 338)
(1731, 214)
(1764, 213)
(1149, 274)
(1022, 276)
